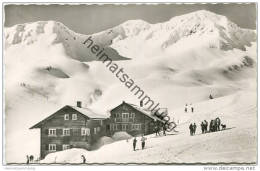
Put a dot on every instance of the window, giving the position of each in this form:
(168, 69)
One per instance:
(101, 122)
(74, 116)
(125, 115)
(136, 126)
(131, 115)
(114, 127)
(52, 132)
(65, 146)
(52, 147)
(85, 131)
(66, 117)
(66, 131)
(98, 129)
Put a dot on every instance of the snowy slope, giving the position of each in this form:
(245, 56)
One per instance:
(48, 66)
(236, 144)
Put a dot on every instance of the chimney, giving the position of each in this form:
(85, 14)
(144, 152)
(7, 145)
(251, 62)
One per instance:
(141, 103)
(79, 104)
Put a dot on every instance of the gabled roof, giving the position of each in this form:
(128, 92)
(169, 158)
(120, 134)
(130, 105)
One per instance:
(84, 111)
(145, 111)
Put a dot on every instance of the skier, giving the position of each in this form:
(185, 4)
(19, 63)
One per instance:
(194, 128)
(191, 129)
(143, 141)
(134, 143)
(83, 159)
(185, 108)
(206, 126)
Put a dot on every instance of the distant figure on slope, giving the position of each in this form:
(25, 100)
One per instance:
(185, 109)
(211, 126)
(210, 96)
(191, 129)
(218, 123)
(134, 143)
(194, 128)
(164, 130)
(83, 159)
(206, 126)
(192, 109)
(31, 158)
(202, 125)
(214, 125)
(157, 130)
(143, 141)
(27, 159)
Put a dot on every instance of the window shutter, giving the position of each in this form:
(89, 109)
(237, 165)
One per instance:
(46, 131)
(46, 147)
(71, 132)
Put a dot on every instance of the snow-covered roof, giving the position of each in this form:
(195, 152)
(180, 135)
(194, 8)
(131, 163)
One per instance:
(84, 111)
(89, 113)
(146, 111)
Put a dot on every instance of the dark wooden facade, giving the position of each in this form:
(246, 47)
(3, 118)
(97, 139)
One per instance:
(63, 133)
(127, 117)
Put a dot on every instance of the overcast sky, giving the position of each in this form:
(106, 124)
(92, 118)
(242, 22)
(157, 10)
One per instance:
(87, 19)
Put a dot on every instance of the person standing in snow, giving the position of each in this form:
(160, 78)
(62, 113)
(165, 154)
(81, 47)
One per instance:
(206, 126)
(218, 123)
(192, 109)
(211, 126)
(143, 141)
(156, 128)
(134, 143)
(191, 129)
(83, 159)
(202, 127)
(164, 130)
(28, 159)
(185, 109)
(194, 128)
(214, 125)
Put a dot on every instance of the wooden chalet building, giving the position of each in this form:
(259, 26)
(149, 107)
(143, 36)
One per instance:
(133, 119)
(69, 127)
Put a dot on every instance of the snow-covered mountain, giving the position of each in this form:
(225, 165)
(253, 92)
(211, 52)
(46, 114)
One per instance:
(179, 61)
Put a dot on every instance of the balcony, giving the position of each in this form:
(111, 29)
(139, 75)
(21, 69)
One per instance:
(124, 120)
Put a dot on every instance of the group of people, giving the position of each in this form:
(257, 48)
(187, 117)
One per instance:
(213, 126)
(158, 129)
(30, 159)
(143, 139)
(186, 108)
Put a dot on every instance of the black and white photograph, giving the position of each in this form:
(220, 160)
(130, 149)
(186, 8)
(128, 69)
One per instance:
(129, 84)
